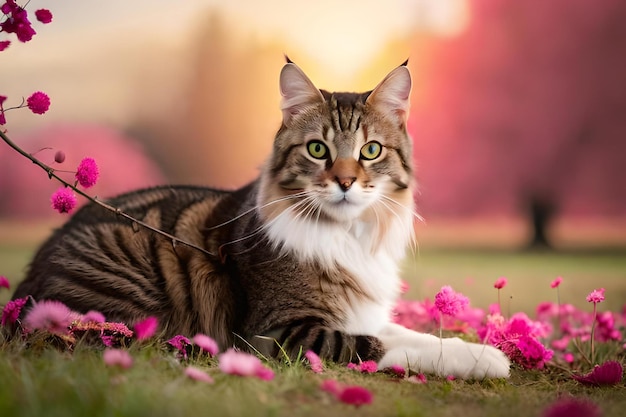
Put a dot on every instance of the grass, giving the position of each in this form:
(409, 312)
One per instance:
(55, 383)
(47, 381)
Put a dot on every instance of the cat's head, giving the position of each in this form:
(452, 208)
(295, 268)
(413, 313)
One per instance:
(339, 157)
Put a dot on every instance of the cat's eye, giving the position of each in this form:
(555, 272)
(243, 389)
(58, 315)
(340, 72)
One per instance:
(317, 149)
(371, 150)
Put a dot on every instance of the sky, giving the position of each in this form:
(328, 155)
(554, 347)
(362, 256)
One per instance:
(95, 51)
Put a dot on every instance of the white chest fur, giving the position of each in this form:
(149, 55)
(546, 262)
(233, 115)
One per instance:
(349, 246)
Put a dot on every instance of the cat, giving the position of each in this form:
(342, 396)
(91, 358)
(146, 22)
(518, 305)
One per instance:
(304, 257)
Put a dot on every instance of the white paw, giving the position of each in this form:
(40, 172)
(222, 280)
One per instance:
(450, 357)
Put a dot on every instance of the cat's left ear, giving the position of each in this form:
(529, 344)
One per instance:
(391, 96)
(297, 91)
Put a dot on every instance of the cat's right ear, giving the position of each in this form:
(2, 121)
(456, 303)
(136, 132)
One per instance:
(297, 91)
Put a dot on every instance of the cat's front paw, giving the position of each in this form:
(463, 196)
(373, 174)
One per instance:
(451, 357)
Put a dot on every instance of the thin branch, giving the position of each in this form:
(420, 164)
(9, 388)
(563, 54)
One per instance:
(51, 174)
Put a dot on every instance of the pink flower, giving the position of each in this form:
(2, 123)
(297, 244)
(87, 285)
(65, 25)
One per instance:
(117, 357)
(609, 373)
(369, 367)
(396, 370)
(17, 21)
(404, 286)
(87, 172)
(596, 296)
(243, 364)
(4, 282)
(43, 15)
(4, 45)
(571, 407)
(355, 395)
(145, 329)
(417, 379)
(206, 343)
(180, 342)
(93, 317)
(52, 316)
(331, 386)
(11, 310)
(59, 157)
(314, 361)
(500, 283)
(63, 200)
(568, 357)
(366, 367)
(450, 302)
(557, 281)
(38, 102)
(198, 375)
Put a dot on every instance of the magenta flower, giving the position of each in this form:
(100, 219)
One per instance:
(4, 45)
(180, 342)
(355, 395)
(63, 200)
(4, 282)
(198, 374)
(314, 361)
(500, 283)
(243, 364)
(145, 329)
(87, 172)
(59, 157)
(52, 316)
(38, 102)
(43, 15)
(93, 317)
(417, 379)
(117, 357)
(12, 310)
(367, 367)
(557, 281)
(17, 21)
(206, 343)
(596, 296)
(609, 373)
(332, 386)
(396, 370)
(450, 302)
(572, 407)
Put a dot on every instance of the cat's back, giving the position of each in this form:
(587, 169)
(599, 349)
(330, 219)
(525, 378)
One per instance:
(101, 260)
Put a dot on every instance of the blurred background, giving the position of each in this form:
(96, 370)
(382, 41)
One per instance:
(518, 118)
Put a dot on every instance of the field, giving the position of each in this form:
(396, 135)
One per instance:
(49, 381)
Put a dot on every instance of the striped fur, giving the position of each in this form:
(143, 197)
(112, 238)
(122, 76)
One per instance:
(305, 257)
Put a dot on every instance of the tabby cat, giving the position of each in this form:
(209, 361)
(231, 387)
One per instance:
(305, 257)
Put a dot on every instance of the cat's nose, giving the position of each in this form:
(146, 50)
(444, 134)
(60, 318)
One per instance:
(345, 182)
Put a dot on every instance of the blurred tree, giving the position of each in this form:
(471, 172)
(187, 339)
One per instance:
(523, 113)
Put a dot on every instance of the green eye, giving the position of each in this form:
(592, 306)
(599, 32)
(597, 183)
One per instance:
(371, 150)
(317, 149)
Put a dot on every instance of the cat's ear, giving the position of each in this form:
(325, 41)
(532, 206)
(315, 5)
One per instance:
(391, 96)
(297, 91)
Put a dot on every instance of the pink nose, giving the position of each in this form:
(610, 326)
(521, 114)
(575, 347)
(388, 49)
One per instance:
(345, 182)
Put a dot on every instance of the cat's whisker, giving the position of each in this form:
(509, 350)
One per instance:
(268, 224)
(413, 244)
(413, 212)
(258, 207)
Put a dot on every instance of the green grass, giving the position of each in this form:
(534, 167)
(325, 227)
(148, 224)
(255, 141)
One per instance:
(37, 382)
(54, 383)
